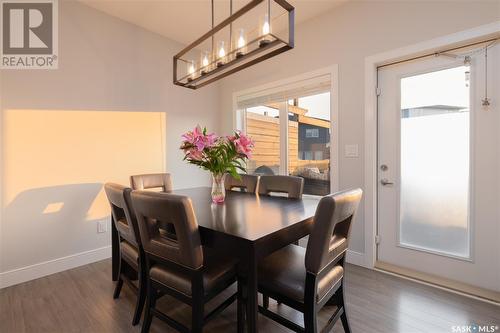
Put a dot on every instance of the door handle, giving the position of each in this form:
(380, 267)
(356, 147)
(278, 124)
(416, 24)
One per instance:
(386, 182)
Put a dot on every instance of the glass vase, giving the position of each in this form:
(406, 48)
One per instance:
(218, 189)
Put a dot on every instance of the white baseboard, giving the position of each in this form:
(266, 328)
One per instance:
(39, 270)
(355, 258)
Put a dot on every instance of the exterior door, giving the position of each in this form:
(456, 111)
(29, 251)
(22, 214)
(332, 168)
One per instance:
(439, 162)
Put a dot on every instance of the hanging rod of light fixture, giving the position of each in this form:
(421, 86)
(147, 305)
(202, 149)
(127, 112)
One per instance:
(242, 50)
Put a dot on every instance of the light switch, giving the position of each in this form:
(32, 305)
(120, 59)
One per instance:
(351, 151)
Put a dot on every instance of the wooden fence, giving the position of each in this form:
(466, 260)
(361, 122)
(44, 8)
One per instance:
(265, 132)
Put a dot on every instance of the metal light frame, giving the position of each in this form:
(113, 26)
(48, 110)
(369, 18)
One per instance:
(257, 55)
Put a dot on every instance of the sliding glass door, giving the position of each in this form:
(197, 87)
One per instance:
(309, 146)
(293, 137)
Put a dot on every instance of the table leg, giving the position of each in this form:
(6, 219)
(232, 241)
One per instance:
(252, 293)
(115, 251)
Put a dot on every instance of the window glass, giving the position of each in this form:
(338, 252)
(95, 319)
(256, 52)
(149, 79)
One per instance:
(309, 142)
(263, 126)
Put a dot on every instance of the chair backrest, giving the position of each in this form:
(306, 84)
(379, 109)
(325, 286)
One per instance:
(123, 215)
(291, 185)
(247, 183)
(332, 225)
(152, 209)
(152, 180)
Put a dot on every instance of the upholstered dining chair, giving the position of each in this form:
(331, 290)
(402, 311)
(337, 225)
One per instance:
(131, 252)
(163, 181)
(247, 183)
(290, 185)
(307, 279)
(183, 268)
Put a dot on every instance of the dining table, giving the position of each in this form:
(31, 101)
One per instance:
(249, 227)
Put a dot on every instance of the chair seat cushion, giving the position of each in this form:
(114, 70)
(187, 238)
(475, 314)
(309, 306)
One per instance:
(284, 272)
(218, 270)
(129, 253)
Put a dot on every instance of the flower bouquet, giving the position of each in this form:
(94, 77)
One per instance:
(218, 154)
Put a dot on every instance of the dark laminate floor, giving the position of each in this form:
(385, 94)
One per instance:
(80, 300)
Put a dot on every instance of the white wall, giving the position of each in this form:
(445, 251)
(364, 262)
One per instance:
(345, 36)
(105, 64)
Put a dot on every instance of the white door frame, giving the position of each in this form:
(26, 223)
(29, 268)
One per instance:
(371, 64)
(333, 71)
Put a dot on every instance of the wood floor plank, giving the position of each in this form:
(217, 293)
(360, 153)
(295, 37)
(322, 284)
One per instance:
(80, 300)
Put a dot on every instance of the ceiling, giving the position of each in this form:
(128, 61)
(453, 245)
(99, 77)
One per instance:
(186, 20)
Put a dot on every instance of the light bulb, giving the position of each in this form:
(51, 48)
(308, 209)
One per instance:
(265, 31)
(191, 70)
(241, 39)
(222, 52)
(205, 61)
(241, 42)
(265, 26)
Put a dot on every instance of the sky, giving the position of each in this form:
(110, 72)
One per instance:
(318, 106)
(444, 87)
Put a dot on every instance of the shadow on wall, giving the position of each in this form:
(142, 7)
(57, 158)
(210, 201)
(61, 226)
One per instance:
(34, 216)
(55, 162)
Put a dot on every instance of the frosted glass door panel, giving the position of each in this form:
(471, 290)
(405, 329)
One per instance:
(434, 197)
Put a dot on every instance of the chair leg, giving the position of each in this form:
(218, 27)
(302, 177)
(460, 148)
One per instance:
(150, 304)
(265, 301)
(310, 325)
(118, 287)
(197, 316)
(141, 296)
(310, 321)
(345, 323)
(343, 316)
(240, 308)
(119, 282)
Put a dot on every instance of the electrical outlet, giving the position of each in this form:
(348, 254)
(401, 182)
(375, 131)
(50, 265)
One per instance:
(102, 226)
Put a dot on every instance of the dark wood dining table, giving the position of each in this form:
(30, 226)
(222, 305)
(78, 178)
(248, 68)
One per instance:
(250, 227)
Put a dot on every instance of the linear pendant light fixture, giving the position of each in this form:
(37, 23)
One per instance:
(221, 52)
